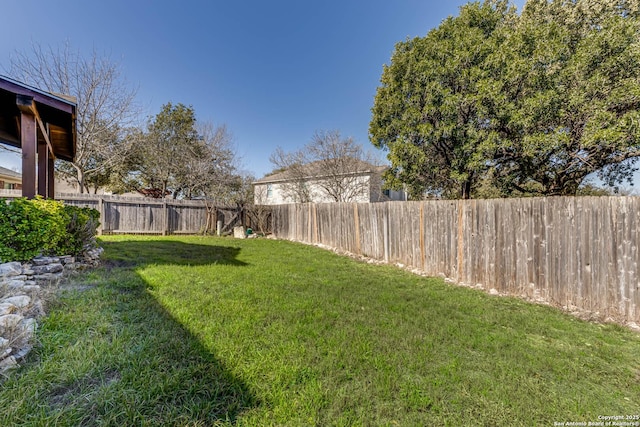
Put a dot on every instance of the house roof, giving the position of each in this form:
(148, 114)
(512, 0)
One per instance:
(58, 113)
(318, 169)
(10, 173)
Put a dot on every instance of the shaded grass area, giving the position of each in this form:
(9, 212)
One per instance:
(111, 355)
(201, 331)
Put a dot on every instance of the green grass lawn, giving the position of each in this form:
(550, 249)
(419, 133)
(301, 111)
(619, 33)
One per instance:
(213, 331)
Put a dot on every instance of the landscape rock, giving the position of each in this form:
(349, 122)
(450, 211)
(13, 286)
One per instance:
(8, 363)
(44, 260)
(48, 268)
(9, 322)
(5, 350)
(22, 353)
(37, 308)
(9, 269)
(46, 277)
(27, 328)
(239, 233)
(14, 284)
(67, 259)
(94, 253)
(7, 308)
(20, 301)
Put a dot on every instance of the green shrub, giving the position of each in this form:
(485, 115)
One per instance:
(82, 224)
(40, 226)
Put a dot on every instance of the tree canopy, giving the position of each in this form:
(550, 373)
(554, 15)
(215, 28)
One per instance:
(180, 156)
(526, 104)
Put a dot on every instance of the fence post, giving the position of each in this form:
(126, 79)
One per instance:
(422, 255)
(315, 224)
(165, 225)
(309, 207)
(461, 224)
(356, 221)
(102, 216)
(385, 231)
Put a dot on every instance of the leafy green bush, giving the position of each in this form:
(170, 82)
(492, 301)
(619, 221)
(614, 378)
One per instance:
(39, 226)
(82, 224)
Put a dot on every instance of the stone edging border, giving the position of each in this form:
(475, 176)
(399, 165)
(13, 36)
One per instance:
(22, 288)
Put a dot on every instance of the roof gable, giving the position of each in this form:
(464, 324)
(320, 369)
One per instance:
(318, 170)
(58, 113)
(10, 173)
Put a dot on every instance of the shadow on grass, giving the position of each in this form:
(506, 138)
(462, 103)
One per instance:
(112, 355)
(141, 252)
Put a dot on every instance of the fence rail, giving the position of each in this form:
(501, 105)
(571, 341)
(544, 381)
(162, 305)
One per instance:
(580, 252)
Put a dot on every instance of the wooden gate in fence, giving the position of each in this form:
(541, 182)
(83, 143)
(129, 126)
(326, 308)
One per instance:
(160, 216)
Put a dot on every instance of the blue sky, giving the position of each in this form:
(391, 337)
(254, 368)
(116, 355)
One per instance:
(273, 72)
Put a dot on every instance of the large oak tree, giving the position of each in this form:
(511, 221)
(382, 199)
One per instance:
(529, 104)
(570, 87)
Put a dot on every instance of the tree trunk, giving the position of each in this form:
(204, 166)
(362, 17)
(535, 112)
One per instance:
(466, 189)
(80, 178)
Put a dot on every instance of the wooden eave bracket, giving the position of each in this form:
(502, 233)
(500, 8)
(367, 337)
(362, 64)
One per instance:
(27, 105)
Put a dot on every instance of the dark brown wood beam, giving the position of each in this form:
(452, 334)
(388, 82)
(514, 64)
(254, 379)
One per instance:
(9, 139)
(43, 166)
(40, 96)
(29, 149)
(26, 104)
(51, 190)
(29, 144)
(45, 133)
(35, 177)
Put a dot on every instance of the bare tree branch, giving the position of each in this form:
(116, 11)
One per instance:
(328, 167)
(105, 104)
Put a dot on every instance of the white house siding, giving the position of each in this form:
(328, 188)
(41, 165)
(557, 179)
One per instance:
(396, 196)
(273, 193)
(268, 194)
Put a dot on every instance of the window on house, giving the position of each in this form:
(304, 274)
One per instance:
(269, 191)
(387, 193)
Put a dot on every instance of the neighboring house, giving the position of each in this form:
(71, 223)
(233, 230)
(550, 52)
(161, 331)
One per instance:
(313, 183)
(10, 180)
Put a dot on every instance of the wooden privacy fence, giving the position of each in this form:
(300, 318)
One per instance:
(128, 215)
(580, 252)
(136, 215)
